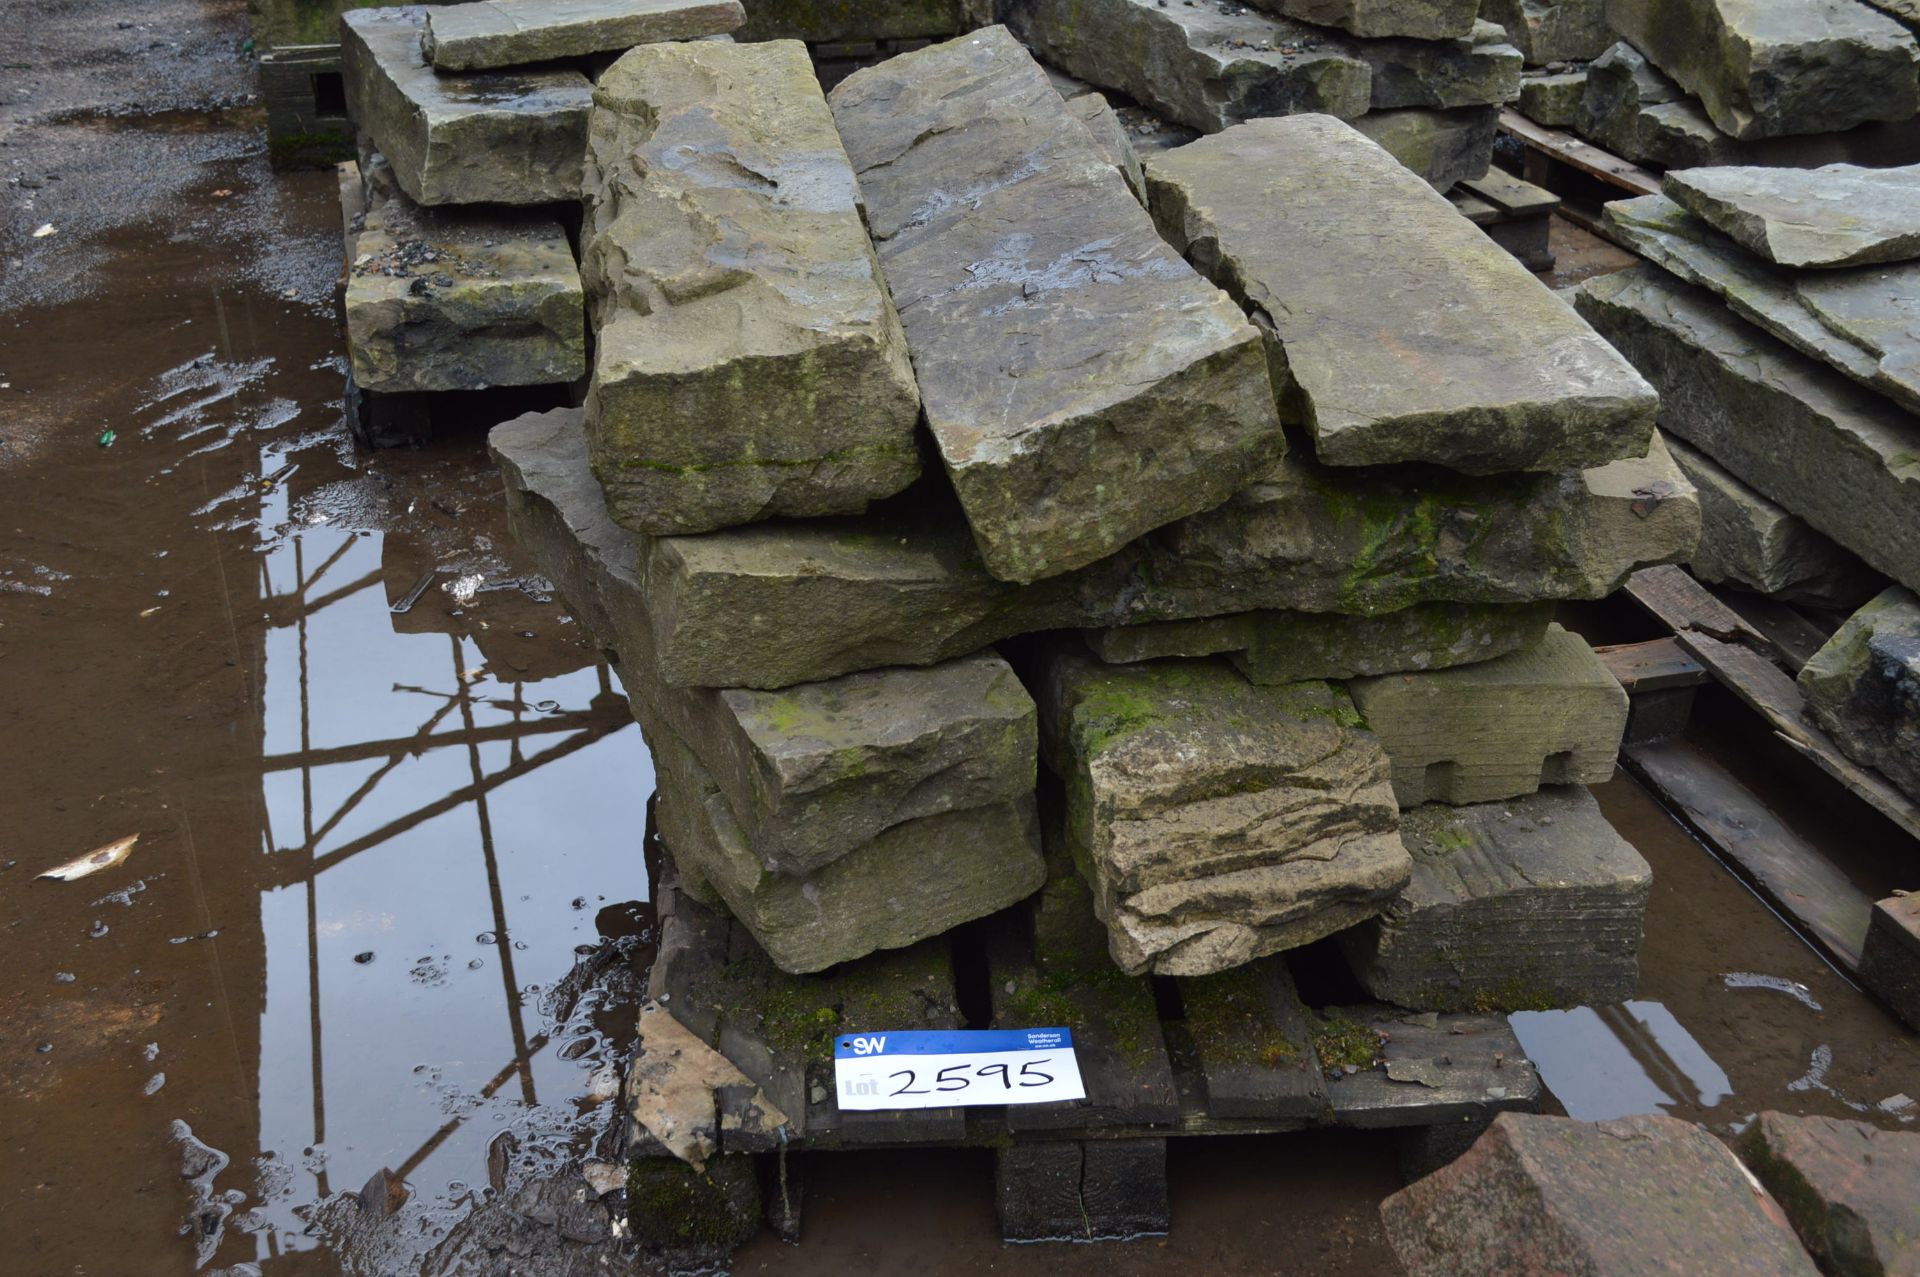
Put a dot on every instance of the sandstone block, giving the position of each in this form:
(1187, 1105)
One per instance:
(1082, 384)
(1549, 715)
(1448, 351)
(1553, 30)
(1477, 68)
(1851, 1190)
(1552, 98)
(1517, 905)
(492, 137)
(502, 33)
(1443, 147)
(1641, 1195)
(749, 363)
(1837, 215)
(1864, 687)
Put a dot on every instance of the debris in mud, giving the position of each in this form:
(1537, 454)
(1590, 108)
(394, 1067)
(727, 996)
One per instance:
(94, 861)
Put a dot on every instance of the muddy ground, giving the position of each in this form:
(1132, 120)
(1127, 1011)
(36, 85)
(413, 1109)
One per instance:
(373, 845)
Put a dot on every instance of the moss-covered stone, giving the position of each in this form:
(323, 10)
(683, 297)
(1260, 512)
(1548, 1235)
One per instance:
(694, 1216)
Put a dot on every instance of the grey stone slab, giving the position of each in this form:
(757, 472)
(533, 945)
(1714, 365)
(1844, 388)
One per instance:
(914, 880)
(1478, 68)
(1764, 69)
(1851, 1191)
(1647, 1194)
(1206, 66)
(1836, 215)
(1082, 383)
(489, 137)
(1905, 12)
(1834, 453)
(1524, 904)
(1447, 350)
(855, 21)
(461, 299)
(1217, 822)
(1110, 135)
(1749, 541)
(1549, 715)
(1552, 98)
(1864, 687)
(503, 33)
(1553, 30)
(749, 363)
(1271, 647)
(1444, 147)
(1421, 19)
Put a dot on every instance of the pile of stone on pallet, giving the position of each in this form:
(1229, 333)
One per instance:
(1691, 83)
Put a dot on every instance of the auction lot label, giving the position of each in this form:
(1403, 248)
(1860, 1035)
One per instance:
(917, 1069)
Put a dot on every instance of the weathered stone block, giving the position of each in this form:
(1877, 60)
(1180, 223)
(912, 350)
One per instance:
(461, 299)
(1890, 958)
(1518, 905)
(1549, 715)
(1553, 30)
(1443, 147)
(913, 880)
(1271, 648)
(1864, 687)
(1852, 1191)
(1478, 68)
(1837, 455)
(1648, 1194)
(1449, 351)
(1763, 69)
(1552, 98)
(493, 137)
(503, 33)
(1749, 541)
(1110, 136)
(1421, 19)
(1838, 215)
(1215, 821)
(1207, 66)
(750, 363)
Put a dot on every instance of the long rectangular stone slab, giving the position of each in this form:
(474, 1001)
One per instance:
(490, 137)
(1082, 383)
(461, 299)
(1524, 904)
(502, 33)
(811, 772)
(750, 363)
(1447, 351)
(1837, 455)
(1215, 821)
(1864, 687)
(1858, 320)
(1549, 715)
(1764, 69)
(1207, 66)
(1271, 647)
(1836, 215)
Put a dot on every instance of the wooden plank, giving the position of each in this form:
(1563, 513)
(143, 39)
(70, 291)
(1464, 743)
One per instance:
(1581, 155)
(1788, 871)
(1253, 1043)
(1435, 1069)
(1793, 635)
(1652, 666)
(1684, 605)
(1510, 194)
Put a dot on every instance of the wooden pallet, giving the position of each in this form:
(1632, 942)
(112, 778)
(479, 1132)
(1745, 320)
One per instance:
(1516, 215)
(1564, 164)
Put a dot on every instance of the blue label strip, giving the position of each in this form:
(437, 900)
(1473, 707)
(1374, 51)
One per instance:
(865, 1046)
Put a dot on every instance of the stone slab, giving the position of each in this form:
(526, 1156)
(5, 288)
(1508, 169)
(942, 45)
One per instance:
(1864, 687)
(1110, 136)
(856, 21)
(1207, 66)
(1428, 1069)
(1517, 905)
(1836, 215)
(1748, 541)
(1476, 68)
(1553, 30)
(1552, 98)
(1217, 822)
(1852, 1191)
(1421, 19)
(1446, 351)
(1890, 958)
(1763, 69)
(749, 361)
(502, 33)
(1082, 384)
(1837, 455)
(1641, 1195)
(1271, 648)
(461, 299)
(1444, 147)
(491, 137)
(1550, 715)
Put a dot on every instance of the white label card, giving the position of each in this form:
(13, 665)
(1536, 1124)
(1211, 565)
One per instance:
(917, 1069)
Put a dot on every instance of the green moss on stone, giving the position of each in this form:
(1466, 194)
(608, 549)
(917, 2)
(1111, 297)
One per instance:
(1339, 1041)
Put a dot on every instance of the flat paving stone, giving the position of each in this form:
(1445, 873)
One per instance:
(489, 137)
(502, 33)
(1836, 215)
(1443, 348)
(1851, 1190)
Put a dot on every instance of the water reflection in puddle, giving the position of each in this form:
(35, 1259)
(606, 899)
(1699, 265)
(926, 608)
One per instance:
(1615, 1061)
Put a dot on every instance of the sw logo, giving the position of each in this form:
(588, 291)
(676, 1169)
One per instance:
(867, 1046)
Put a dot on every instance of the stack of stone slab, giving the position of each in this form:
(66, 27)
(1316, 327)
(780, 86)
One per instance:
(1423, 78)
(1718, 82)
